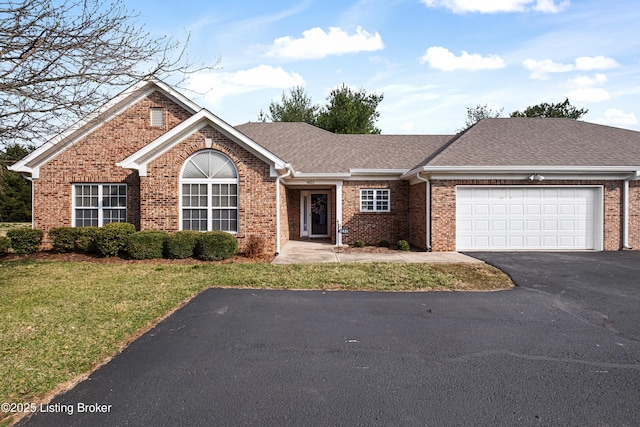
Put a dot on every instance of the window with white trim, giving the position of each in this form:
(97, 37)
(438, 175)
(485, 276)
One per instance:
(99, 204)
(209, 193)
(374, 200)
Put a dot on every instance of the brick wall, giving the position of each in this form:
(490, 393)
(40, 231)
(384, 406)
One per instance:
(372, 227)
(443, 208)
(418, 215)
(93, 160)
(634, 214)
(159, 190)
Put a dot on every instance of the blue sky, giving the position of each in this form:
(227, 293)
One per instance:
(430, 58)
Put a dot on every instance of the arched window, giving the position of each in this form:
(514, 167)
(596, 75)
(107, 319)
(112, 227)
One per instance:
(209, 185)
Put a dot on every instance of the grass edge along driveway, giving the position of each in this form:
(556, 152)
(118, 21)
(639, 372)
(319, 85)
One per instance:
(61, 320)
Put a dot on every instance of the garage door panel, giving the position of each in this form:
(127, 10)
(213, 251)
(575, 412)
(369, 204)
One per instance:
(512, 218)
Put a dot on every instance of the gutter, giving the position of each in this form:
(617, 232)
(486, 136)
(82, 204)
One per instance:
(625, 209)
(278, 179)
(428, 210)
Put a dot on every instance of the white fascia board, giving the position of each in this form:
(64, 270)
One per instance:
(491, 172)
(375, 172)
(317, 175)
(141, 158)
(309, 182)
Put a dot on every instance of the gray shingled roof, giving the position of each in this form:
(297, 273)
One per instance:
(490, 142)
(541, 142)
(313, 150)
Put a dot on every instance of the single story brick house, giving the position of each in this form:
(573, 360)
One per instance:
(154, 158)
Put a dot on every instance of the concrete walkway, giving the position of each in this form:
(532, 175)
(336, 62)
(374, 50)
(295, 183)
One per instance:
(310, 251)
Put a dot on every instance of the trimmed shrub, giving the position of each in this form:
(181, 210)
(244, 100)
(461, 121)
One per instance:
(403, 245)
(216, 246)
(111, 238)
(86, 240)
(64, 238)
(358, 244)
(255, 246)
(384, 244)
(180, 245)
(148, 244)
(25, 240)
(5, 244)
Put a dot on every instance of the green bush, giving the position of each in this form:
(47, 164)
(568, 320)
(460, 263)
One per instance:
(64, 238)
(403, 245)
(384, 244)
(86, 240)
(216, 246)
(111, 239)
(180, 245)
(358, 244)
(5, 244)
(25, 240)
(148, 244)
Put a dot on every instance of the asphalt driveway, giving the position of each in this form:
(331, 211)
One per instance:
(560, 349)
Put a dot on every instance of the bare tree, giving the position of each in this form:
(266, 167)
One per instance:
(60, 60)
(479, 112)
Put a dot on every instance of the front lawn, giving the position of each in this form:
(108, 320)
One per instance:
(59, 320)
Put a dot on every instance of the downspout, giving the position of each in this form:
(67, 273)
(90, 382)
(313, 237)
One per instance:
(278, 179)
(625, 210)
(428, 210)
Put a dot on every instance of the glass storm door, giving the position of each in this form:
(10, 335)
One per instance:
(315, 214)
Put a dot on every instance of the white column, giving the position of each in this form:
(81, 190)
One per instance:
(339, 213)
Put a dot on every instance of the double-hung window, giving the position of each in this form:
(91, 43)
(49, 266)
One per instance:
(209, 187)
(99, 204)
(373, 200)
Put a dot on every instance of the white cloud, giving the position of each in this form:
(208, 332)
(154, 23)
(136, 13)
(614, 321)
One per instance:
(442, 59)
(588, 63)
(585, 90)
(498, 6)
(540, 70)
(316, 44)
(217, 85)
(614, 116)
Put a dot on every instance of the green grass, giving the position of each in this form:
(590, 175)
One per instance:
(6, 226)
(59, 320)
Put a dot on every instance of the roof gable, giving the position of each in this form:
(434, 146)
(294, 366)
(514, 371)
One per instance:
(141, 158)
(123, 101)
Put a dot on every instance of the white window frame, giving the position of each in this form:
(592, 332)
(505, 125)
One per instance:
(100, 208)
(210, 182)
(377, 203)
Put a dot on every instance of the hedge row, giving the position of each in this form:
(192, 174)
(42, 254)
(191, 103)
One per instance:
(121, 239)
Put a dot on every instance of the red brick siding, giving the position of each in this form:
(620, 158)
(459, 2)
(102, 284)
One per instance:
(443, 208)
(418, 215)
(293, 212)
(93, 160)
(284, 217)
(372, 227)
(257, 190)
(634, 214)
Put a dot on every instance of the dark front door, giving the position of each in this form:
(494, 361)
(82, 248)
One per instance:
(319, 214)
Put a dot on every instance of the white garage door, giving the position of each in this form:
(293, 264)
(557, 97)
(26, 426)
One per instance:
(528, 218)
